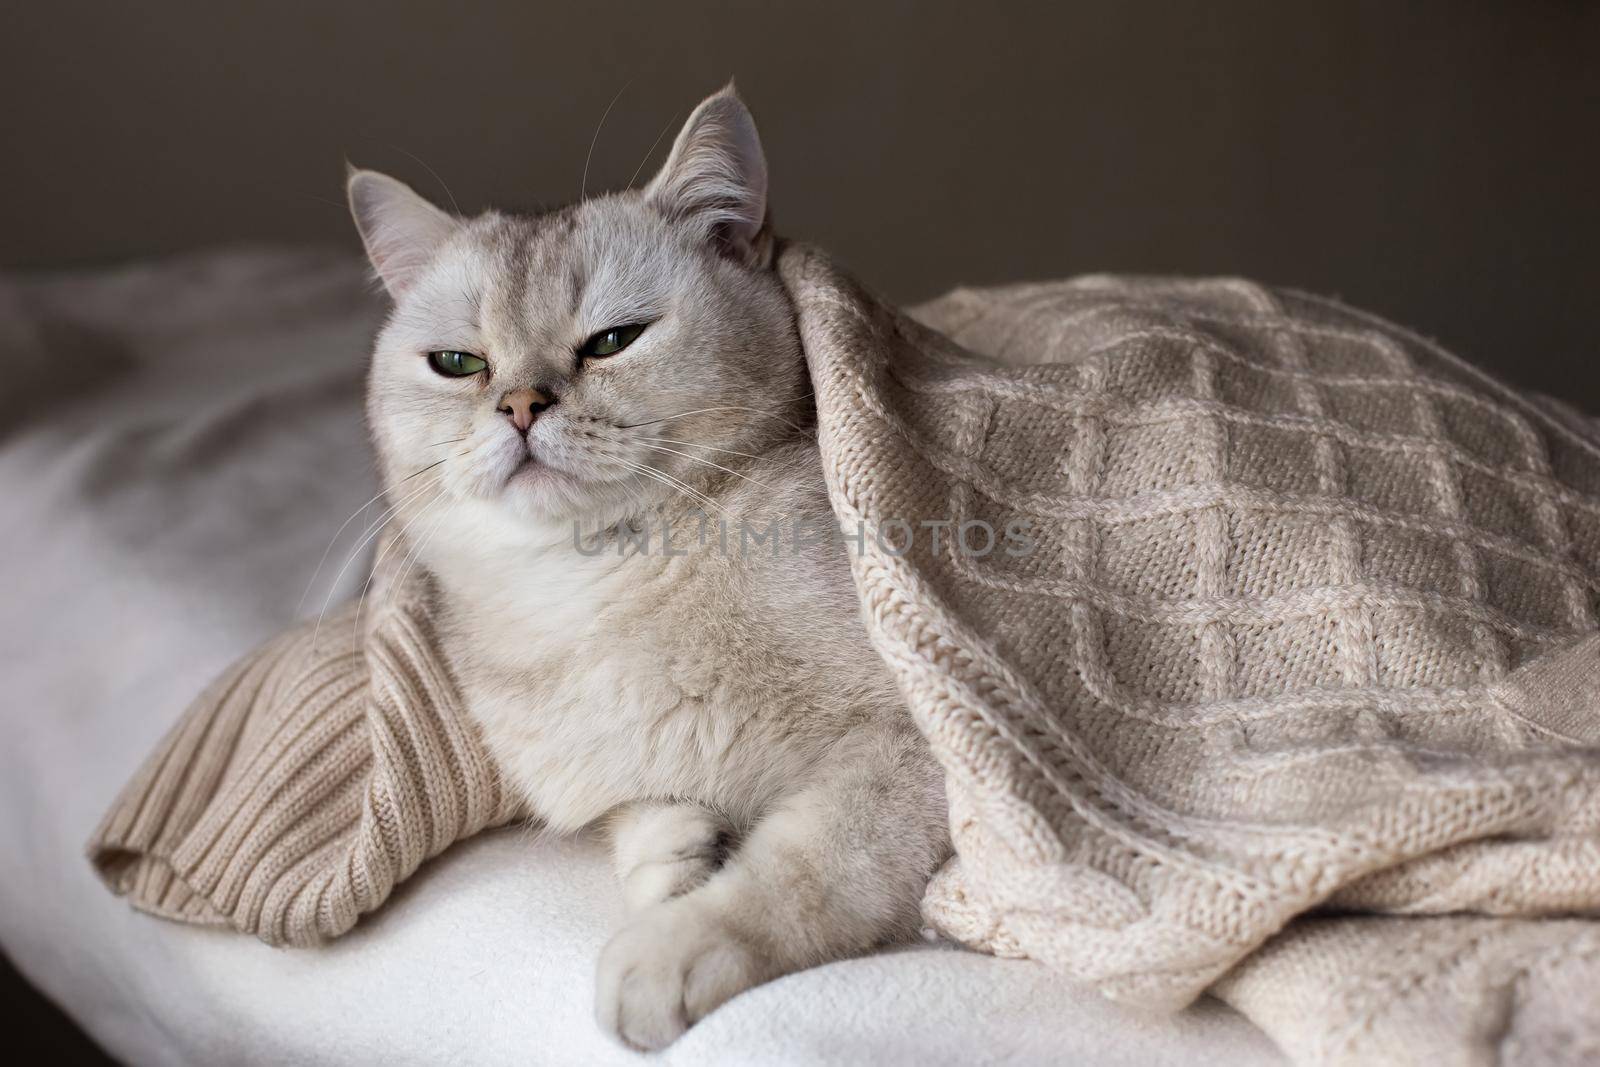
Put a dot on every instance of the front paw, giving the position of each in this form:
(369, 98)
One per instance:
(667, 969)
(686, 850)
(664, 850)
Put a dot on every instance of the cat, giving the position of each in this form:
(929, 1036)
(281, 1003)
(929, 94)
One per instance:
(545, 388)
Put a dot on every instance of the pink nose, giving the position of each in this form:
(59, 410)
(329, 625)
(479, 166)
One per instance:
(523, 405)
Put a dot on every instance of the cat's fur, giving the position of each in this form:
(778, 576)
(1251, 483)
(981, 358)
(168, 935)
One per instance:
(770, 803)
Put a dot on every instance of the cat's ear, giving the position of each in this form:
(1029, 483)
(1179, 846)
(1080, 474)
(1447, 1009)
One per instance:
(400, 229)
(716, 178)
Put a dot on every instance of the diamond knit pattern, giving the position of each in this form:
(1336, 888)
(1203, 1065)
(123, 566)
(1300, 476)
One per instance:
(1308, 621)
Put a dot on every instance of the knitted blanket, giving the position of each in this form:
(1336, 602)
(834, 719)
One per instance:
(1292, 697)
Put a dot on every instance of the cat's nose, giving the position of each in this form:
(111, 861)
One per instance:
(523, 406)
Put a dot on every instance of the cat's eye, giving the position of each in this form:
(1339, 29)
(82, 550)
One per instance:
(457, 364)
(610, 342)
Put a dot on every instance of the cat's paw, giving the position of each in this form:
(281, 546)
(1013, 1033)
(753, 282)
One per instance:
(670, 967)
(669, 852)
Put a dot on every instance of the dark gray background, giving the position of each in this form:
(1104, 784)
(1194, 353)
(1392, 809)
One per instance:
(1434, 162)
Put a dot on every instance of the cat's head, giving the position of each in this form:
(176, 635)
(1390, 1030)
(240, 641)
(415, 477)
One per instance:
(592, 361)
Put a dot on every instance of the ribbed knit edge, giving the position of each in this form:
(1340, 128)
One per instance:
(298, 789)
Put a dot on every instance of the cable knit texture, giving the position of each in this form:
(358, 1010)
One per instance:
(1308, 621)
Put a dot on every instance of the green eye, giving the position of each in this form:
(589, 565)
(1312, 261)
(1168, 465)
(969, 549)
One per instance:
(610, 342)
(456, 364)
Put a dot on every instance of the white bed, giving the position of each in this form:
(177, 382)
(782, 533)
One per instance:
(178, 442)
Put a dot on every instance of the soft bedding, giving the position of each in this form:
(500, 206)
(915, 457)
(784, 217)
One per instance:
(178, 442)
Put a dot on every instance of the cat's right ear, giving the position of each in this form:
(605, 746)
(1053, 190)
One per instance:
(715, 178)
(400, 229)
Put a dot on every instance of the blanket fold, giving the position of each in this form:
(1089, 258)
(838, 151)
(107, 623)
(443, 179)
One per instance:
(307, 781)
(1286, 685)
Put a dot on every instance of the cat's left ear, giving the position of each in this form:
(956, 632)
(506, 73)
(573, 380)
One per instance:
(401, 230)
(716, 178)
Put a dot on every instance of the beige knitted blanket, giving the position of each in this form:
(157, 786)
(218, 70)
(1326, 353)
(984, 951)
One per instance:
(1296, 696)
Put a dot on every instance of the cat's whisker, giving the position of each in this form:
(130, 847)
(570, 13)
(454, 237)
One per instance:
(375, 526)
(696, 444)
(416, 554)
(673, 121)
(410, 495)
(672, 483)
(379, 495)
(430, 467)
(583, 190)
(370, 533)
(776, 405)
(708, 463)
(329, 550)
(361, 601)
(688, 490)
(424, 165)
(630, 486)
(703, 411)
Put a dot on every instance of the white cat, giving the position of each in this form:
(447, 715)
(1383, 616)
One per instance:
(628, 363)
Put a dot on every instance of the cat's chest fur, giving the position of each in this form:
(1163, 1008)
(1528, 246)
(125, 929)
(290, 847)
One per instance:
(603, 679)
